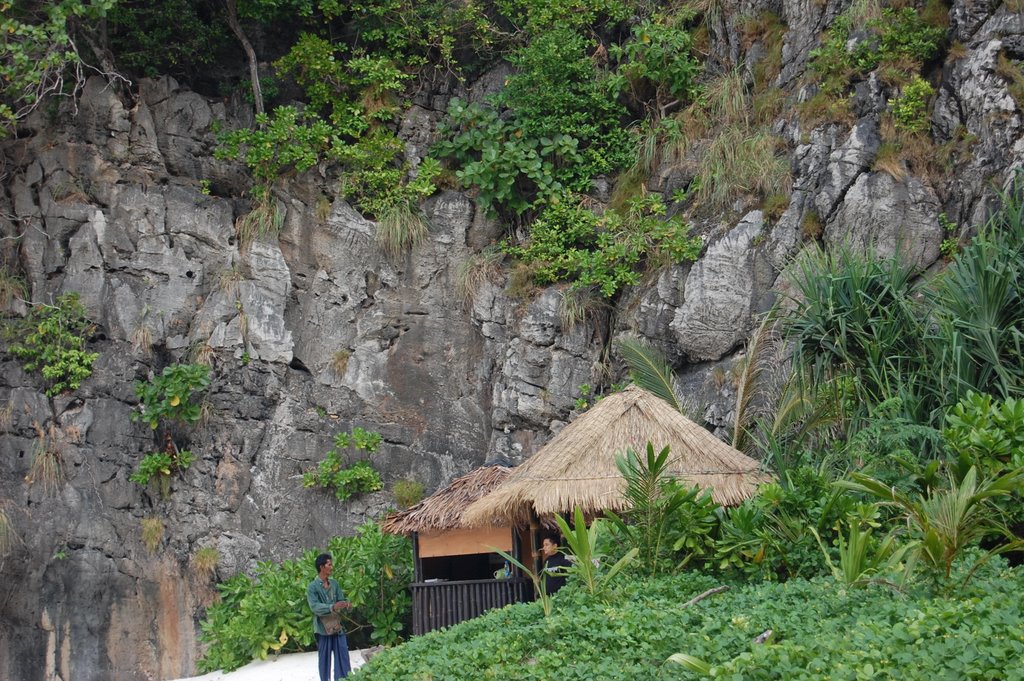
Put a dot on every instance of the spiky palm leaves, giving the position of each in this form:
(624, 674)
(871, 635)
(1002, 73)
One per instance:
(979, 312)
(651, 371)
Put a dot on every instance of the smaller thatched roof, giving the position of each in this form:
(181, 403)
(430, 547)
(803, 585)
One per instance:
(443, 509)
(577, 467)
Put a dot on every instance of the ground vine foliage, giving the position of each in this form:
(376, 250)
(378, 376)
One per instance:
(818, 631)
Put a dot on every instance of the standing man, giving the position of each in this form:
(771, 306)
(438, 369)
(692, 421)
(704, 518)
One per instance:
(556, 565)
(327, 601)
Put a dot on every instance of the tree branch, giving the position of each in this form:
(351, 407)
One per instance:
(254, 71)
(709, 592)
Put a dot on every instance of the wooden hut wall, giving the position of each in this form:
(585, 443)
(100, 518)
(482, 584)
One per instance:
(464, 541)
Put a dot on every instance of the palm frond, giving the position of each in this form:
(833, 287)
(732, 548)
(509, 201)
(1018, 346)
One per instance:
(650, 370)
(761, 344)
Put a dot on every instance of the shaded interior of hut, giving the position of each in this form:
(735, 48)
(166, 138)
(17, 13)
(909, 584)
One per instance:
(463, 554)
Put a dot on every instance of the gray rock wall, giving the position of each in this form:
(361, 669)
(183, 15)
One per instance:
(316, 331)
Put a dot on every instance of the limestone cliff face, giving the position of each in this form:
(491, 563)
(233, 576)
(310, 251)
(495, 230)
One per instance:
(317, 331)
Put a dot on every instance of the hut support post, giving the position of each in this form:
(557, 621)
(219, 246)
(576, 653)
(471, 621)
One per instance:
(417, 562)
(517, 551)
(535, 542)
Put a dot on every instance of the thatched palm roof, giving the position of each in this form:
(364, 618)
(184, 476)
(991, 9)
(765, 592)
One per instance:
(577, 468)
(443, 509)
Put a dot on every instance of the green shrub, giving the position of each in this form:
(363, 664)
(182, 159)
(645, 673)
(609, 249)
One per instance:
(665, 522)
(989, 431)
(181, 38)
(910, 109)
(169, 395)
(284, 139)
(267, 613)
(346, 481)
(774, 535)
(539, 15)
(160, 466)
(563, 126)
(407, 492)
(568, 242)
(51, 340)
(351, 98)
(510, 171)
(898, 37)
(658, 64)
(39, 54)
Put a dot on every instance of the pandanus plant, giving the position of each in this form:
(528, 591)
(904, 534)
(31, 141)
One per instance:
(945, 521)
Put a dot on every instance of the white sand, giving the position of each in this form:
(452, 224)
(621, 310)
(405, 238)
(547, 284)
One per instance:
(290, 667)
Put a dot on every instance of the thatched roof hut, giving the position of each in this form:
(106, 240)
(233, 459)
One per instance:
(454, 565)
(577, 468)
(443, 509)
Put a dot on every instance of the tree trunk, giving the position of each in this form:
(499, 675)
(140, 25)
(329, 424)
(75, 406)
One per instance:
(254, 71)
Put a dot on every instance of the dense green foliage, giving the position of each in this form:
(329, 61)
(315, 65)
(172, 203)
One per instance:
(910, 109)
(988, 431)
(555, 125)
(867, 332)
(160, 465)
(819, 631)
(267, 612)
(569, 242)
(38, 55)
(51, 339)
(896, 36)
(169, 396)
(664, 520)
(181, 38)
(343, 480)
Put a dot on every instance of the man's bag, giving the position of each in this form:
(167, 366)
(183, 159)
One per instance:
(332, 623)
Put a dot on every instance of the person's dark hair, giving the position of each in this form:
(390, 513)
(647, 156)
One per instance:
(553, 537)
(321, 560)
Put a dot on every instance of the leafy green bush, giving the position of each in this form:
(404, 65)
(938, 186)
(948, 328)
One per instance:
(898, 36)
(989, 431)
(416, 32)
(910, 109)
(181, 38)
(351, 97)
(662, 517)
(39, 52)
(169, 395)
(774, 535)
(347, 481)
(509, 170)
(658, 64)
(569, 242)
(539, 15)
(407, 492)
(268, 612)
(945, 521)
(51, 340)
(563, 126)
(160, 466)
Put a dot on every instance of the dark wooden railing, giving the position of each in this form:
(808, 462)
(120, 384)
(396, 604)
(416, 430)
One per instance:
(442, 604)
